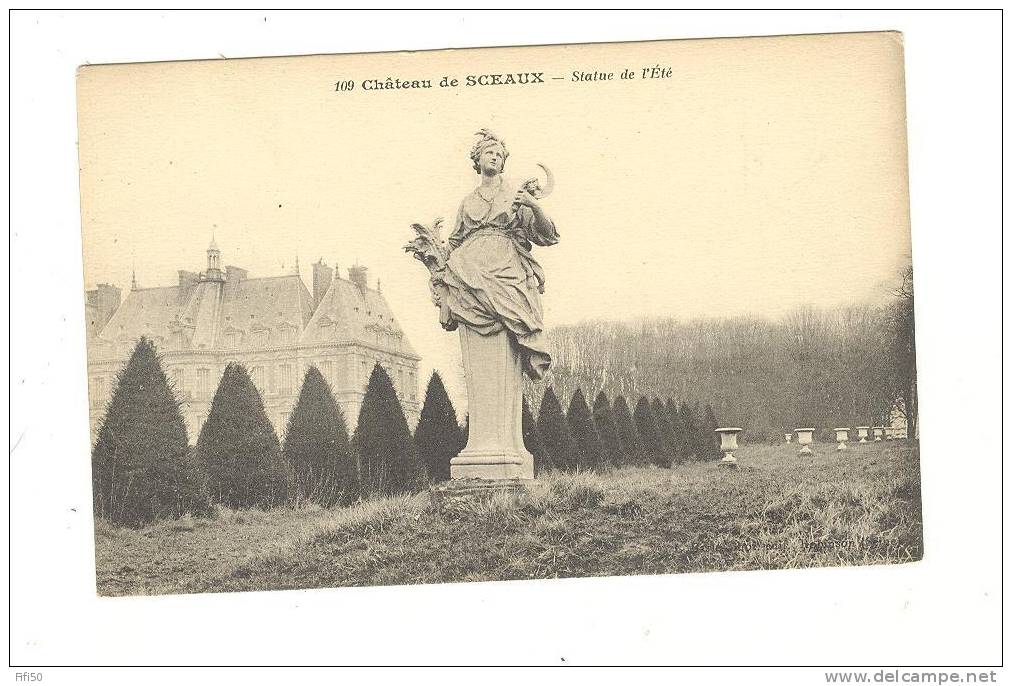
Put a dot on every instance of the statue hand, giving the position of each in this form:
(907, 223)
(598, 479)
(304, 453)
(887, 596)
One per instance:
(522, 197)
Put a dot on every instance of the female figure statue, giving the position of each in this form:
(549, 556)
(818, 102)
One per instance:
(493, 280)
(491, 286)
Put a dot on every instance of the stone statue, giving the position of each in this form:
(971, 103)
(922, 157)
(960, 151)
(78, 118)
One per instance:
(488, 286)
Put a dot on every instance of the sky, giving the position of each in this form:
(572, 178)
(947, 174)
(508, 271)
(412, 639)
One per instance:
(762, 174)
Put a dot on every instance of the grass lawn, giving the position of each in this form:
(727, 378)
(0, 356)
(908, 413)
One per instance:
(777, 510)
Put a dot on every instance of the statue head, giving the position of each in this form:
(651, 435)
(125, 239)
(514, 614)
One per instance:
(488, 152)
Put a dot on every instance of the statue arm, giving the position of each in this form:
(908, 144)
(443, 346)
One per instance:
(459, 232)
(538, 226)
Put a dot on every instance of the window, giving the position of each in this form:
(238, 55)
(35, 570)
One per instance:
(258, 379)
(285, 373)
(179, 381)
(285, 335)
(232, 339)
(327, 369)
(97, 390)
(411, 385)
(260, 338)
(400, 382)
(202, 382)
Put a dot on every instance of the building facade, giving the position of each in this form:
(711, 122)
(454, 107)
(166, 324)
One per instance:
(272, 325)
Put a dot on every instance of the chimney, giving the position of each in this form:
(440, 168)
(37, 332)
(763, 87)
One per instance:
(105, 299)
(359, 276)
(322, 276)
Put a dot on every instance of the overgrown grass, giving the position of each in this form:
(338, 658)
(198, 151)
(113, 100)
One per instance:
(777, 510)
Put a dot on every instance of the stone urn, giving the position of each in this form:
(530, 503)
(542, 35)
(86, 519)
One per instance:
(805, 440)
(788, 437)
(877, 433)
(862, 434)
(728, 444)
(841, 438)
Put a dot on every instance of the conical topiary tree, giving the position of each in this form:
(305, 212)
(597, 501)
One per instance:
(388, 461)
(690, 429)
(533, 442)
(238, 449)
(701, 439)
(666, 431)
(628, 437)
(139, 463)
(555, 433)
(646, 426)
(611, 444)
(589, 455)
(316, 445)
(671, 413)
(710, 427)
(437, 436)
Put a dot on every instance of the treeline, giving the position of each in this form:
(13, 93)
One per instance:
(144, 470)
(813, 367)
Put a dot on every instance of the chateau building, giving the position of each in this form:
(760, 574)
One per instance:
(272, 325)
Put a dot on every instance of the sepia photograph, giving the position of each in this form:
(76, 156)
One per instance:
(505, 314)
(475, 339)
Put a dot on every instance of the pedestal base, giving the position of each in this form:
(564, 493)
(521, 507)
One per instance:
(494, 377)
(495, 464)
(728, 462)
(458, 494)
(841, 446)
(805, 450)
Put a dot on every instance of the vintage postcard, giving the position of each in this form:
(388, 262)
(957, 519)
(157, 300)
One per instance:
(499, 314)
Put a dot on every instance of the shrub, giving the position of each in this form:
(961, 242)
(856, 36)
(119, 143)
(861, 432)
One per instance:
(690, 431)
(388, 461)
(437, 436)
(654, 449)
(139, 462)
(316, 445)
(534, 443)
(589, 455)
(709, 438)
(632, 448)
(611, 444)
(559, 443)
(238, 449)
(666, 430)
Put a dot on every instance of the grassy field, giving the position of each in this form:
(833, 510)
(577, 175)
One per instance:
(777, 510)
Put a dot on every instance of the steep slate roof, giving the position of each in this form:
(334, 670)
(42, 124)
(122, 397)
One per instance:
(349, 311)
(198, 315)
(268, 301)
(204, 311)
(144, 311)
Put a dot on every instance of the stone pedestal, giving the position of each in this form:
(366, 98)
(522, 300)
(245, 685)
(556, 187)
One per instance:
(494, 378)
(862, 433)
(877, 433)
(460, 495)
(787, 437)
